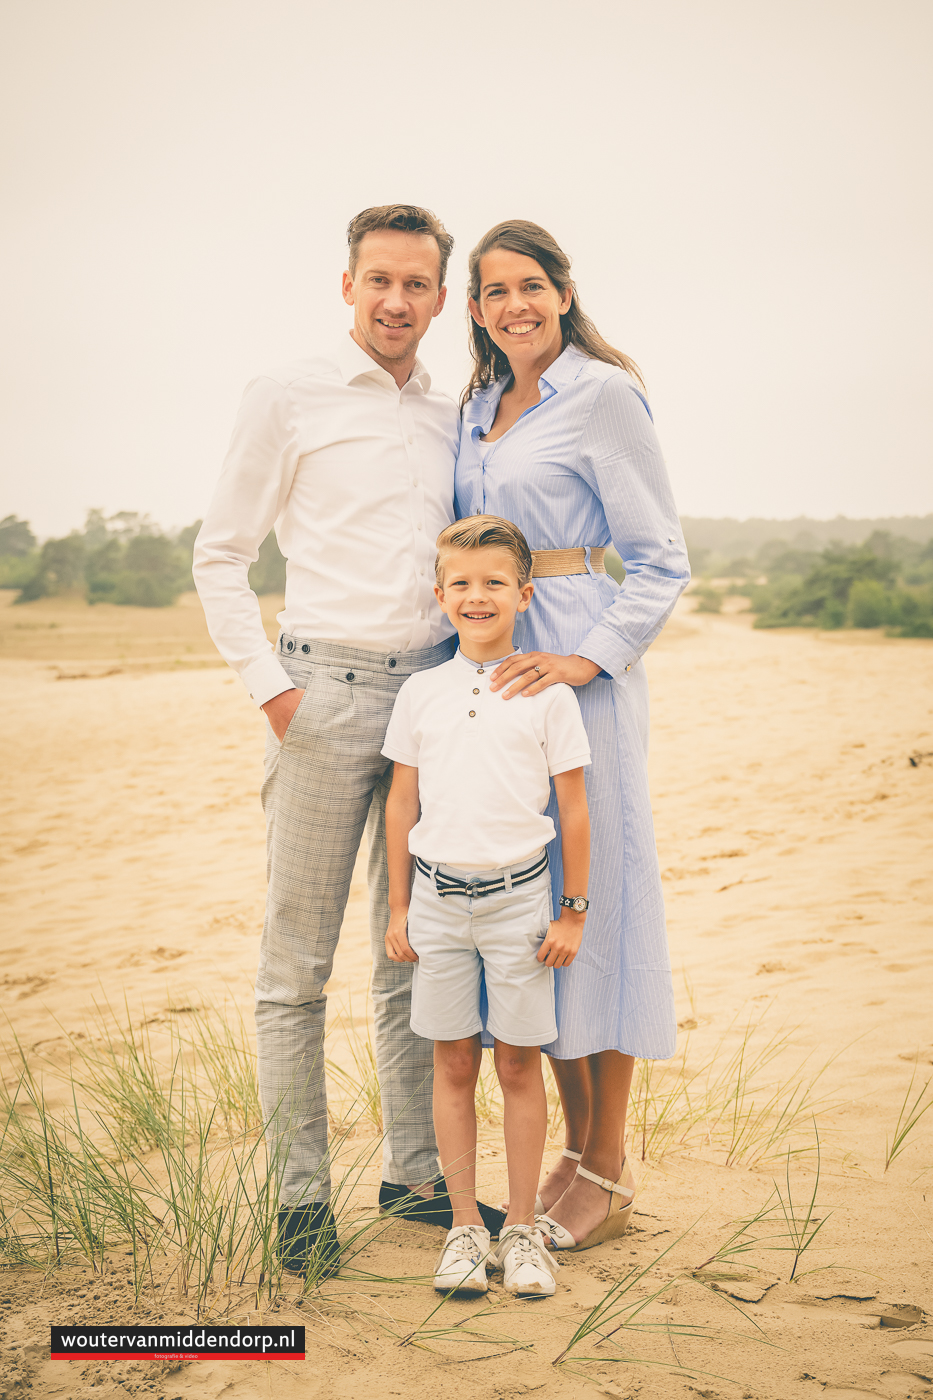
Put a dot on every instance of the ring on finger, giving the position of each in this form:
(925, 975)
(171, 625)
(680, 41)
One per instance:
(538, 669)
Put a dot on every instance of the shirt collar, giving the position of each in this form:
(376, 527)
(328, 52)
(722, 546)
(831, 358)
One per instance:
(565, 369)
(353, 363)
(487, 665)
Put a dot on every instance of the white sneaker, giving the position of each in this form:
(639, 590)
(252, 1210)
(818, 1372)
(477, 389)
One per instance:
(530, 1271)
(462, 1262)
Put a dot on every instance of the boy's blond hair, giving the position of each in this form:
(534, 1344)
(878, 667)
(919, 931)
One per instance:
(484, 532)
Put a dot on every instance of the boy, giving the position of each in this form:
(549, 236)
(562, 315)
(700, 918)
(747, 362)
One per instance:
(470, 786)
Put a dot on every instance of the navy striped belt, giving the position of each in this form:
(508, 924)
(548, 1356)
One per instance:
(475, 889)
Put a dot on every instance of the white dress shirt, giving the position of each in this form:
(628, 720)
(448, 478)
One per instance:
(484, 763)
(357, 477)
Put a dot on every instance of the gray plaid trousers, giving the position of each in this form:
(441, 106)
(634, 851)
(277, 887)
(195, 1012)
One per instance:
(324, 784)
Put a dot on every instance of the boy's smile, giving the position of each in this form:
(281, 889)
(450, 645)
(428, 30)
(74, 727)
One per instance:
(481, 595)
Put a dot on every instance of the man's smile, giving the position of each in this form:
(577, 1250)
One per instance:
(393, 325)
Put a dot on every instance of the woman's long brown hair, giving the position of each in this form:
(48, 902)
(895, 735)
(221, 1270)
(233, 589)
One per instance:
(532, 241)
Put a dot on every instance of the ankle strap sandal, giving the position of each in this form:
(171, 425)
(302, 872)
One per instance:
(618, 1215)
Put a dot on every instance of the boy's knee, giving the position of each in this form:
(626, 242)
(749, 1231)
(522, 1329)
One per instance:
(516, 1064)
(457, 1061)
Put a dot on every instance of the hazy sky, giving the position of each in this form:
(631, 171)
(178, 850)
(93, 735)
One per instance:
(744, 187)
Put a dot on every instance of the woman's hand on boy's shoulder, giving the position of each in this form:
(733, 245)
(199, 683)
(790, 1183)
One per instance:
(398, 947)
(528, 673)
(562, 944)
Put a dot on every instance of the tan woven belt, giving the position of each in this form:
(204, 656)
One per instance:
(551, 563)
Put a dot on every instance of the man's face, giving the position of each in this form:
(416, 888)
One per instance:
(394, 292)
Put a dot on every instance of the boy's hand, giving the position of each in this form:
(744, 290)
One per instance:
(398, 947)
(563, 940)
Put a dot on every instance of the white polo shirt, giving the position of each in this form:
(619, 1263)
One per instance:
(484, 763)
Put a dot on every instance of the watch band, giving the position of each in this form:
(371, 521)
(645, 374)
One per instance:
(576, 902)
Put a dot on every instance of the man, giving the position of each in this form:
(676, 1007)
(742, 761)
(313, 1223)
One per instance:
(351, 456)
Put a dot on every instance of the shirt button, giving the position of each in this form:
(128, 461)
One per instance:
(414, 481)
(351, 676)
(410, 438)
(481, 672)
(479, 510)
(472, 714)
(422, 571)
(422, 612)
(419, 527)
(476, 690)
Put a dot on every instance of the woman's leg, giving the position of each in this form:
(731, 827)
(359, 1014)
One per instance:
(574, 1084)
(583, 1204)
(525, 1123)
(456, 1069)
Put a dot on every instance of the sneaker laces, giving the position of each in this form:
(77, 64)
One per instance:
(525, 1242)
(467, 1245)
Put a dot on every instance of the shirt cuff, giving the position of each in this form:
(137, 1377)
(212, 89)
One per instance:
(398, 756)
(606, 650)
(582, 760)
(265, 678)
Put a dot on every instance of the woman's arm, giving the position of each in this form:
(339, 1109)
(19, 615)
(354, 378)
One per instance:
(565, 934)
(620, 459)
(402, 812)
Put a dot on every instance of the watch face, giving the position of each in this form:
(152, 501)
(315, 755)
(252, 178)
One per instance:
(579, 905)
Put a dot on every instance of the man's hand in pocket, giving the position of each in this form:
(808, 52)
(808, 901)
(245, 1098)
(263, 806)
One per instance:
(279, 710)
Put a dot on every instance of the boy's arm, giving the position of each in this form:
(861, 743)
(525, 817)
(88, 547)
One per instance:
(402, 812)
(565, 934)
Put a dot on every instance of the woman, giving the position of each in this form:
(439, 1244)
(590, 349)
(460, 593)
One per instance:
(558, 437)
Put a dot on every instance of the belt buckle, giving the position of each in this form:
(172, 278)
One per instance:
(470, 889)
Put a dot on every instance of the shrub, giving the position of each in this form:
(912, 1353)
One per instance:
(59, 568)
(870, 603)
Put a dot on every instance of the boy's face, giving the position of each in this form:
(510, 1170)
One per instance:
(481, 595)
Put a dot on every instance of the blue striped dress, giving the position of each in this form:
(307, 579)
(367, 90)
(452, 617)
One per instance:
(583, 467)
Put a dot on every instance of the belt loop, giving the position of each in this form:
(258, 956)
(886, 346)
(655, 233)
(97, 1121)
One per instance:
(507, 876)
(586, 560)
(434, 878)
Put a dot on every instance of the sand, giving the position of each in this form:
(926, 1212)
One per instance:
(794, 838)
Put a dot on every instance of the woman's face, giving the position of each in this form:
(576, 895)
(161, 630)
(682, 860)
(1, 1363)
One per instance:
(520, 308)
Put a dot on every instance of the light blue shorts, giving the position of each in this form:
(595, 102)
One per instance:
(460, 940)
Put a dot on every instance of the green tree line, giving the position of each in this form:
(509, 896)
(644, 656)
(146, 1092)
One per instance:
(886, 581)
(123, 558)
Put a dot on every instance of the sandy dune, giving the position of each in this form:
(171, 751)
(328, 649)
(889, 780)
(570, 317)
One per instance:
(794, 837)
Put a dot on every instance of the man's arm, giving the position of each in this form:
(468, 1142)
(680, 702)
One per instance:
(566, 933)
(403, 809)
(254, 485)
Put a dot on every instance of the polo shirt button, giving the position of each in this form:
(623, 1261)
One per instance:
(472, 714)
(290, 645)
(351, 676)
(392, 661)
(305, 648)
(476, 690)
(481, 672)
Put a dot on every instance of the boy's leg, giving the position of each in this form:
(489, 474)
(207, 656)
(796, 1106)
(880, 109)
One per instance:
(525, 1120)
(456, 1069)
(405, 1061)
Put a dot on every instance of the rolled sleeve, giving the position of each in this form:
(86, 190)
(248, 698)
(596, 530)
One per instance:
(621, 460)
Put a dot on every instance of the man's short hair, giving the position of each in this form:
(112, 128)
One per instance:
(407, 218)
(484, 532)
